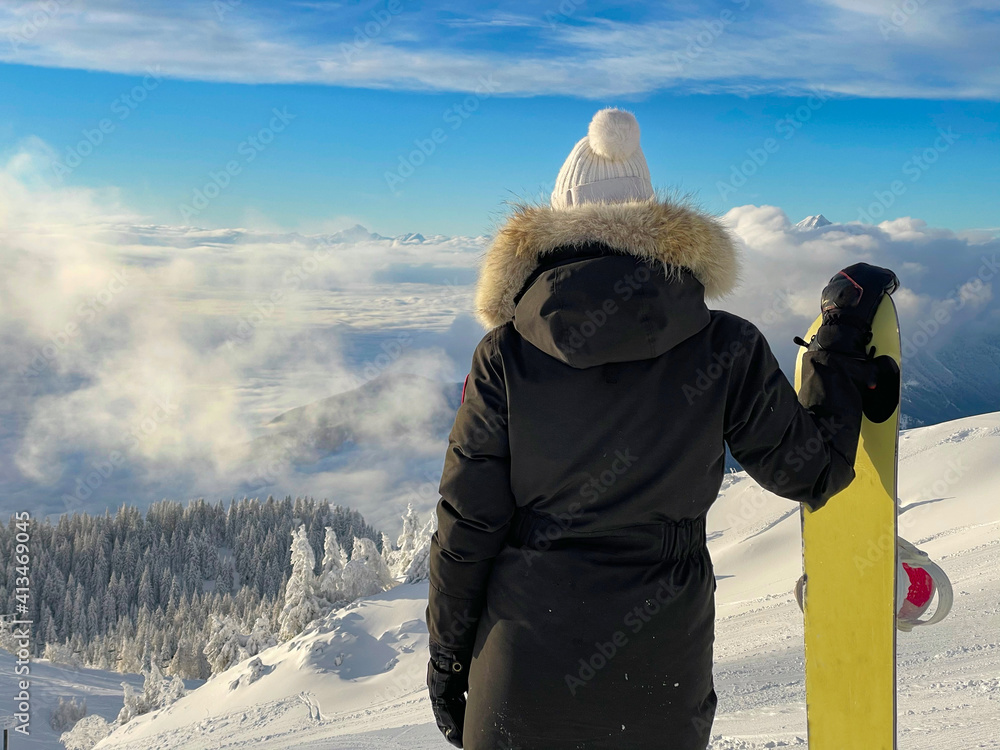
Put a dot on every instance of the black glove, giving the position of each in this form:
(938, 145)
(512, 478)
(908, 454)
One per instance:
(848, 306)
(448, 681)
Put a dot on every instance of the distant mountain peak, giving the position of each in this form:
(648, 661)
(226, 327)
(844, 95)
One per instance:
(813, 222)
(357, 233)
(410, 238)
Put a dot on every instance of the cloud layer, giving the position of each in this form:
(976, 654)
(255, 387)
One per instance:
(139, 361)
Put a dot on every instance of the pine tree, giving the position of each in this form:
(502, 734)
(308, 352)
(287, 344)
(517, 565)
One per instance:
(183, 663)
(390, 553)
(409, 560)
(261, 637)
(301, 602)
(418, 568)
(124, 589)
(67, 713)
(331, 584)
(366, 574)
(7, 640)
(146, 590)
(226, 645)
(157, 691)
(78, 619)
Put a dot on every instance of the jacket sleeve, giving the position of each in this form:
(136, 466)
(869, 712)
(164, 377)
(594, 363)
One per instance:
(800, 446)
(476, 505)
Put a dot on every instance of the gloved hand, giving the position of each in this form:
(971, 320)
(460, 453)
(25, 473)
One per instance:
(448, 681)
(848, 306)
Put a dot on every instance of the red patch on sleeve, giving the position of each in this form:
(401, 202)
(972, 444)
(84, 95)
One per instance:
(464, 386)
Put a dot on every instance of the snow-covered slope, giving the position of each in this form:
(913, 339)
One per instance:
(50, 682)
(948, 687)
(357, 672)
(355, 680)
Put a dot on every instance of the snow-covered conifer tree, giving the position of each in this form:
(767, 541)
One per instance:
(409, 561)
(261, 637)
(157, 691)
(389, 552)
(186, 662)
(418, 568)
(225, 645)
(67, 713)
(366, 574)
(7, 640)
(302, 604)
(331, 583)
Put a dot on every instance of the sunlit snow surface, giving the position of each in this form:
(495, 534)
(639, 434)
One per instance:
(355, 680)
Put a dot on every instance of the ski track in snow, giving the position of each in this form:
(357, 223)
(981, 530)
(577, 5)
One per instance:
(947, 674)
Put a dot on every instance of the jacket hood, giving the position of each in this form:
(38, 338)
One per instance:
(664, 234)
(597, 309)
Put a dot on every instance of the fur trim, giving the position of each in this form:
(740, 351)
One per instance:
(672, 233)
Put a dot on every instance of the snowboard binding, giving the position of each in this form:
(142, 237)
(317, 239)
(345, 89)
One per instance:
(880, 399)
(880, 396)
(918, 579)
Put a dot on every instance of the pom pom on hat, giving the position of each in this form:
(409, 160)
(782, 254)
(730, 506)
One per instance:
(614, 134)
(607, 166)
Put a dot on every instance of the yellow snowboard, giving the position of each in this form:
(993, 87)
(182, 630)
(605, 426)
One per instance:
(849, 560)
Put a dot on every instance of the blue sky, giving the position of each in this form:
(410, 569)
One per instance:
(831, 107)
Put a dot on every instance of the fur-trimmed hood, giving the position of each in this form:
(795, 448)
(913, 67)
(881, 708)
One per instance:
(673, 234)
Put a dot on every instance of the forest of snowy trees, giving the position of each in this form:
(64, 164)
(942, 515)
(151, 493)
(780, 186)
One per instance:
(190, 590)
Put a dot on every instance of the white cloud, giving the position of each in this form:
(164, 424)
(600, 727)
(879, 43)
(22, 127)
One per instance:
(173, 346)
(940, 50)
(158, 351)
(786, 268)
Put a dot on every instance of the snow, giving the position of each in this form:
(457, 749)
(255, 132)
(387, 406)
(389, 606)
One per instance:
(360, 665)
(355, 679)
(86, 733)
(949, 490)
(302, 602)
(814, 222)
(49, 682)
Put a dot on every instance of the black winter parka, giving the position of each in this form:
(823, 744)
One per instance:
(570, 562)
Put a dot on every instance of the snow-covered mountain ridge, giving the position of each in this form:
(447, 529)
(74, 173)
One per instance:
(814, 222)
(354, 679)
(189, 236)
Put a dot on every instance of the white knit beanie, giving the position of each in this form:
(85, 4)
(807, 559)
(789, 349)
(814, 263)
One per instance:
(605, 167)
